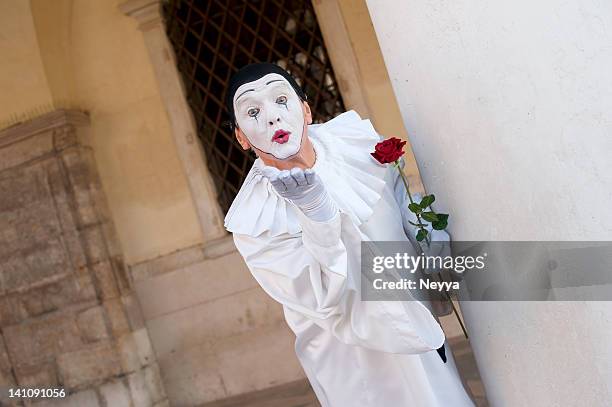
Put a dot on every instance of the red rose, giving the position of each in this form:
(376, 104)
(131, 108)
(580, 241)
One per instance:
(389, 150)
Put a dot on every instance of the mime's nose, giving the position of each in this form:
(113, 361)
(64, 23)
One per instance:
(271, 122)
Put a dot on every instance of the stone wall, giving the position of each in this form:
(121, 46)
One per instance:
(68, 314)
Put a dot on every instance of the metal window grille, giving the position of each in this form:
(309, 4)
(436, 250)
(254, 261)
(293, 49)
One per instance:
(212, 39)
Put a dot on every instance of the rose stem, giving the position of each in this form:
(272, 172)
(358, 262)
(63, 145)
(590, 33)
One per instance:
(454, 310)
(403, 176)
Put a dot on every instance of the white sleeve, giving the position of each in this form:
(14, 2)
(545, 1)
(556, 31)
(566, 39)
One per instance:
(316, 273)
(441, 237)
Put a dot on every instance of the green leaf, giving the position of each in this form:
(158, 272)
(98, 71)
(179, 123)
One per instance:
(442, 221)
(427, 200)
(440, 224)
(414, 207)
(421, 234)
(429, 216)
(418, 224)
(442, 216)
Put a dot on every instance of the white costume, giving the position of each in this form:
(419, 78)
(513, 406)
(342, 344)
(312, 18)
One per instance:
(355, 353)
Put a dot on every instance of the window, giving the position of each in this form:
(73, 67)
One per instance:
(212, 39)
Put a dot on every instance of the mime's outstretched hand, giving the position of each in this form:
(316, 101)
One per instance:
(305, 189)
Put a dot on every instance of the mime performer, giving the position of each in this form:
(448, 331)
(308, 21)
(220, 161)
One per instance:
(312, 196)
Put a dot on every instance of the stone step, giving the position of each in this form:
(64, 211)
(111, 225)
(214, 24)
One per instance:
(294, 394)
(300, 394)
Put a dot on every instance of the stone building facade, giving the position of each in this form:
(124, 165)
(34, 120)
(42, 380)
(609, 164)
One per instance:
(68, 312)
(118, 282)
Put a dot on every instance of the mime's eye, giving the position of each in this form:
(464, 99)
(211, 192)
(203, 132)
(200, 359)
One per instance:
(253, 112)
(281, 100)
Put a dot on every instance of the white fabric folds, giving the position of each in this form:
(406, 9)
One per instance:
(347, 133)
(355, 353)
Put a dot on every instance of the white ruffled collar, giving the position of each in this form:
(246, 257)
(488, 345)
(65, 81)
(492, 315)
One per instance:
(353, 178)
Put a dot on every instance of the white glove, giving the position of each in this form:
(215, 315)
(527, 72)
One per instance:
(305, 189)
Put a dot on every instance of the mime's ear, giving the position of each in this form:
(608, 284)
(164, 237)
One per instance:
(242, 139)
(307, 112)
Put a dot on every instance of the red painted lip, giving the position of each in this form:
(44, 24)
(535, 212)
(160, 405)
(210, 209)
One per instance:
(281, 136)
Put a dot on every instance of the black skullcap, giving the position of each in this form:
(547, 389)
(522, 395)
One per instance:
(252, 72)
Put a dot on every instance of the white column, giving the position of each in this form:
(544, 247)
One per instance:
(508, 109)
(182, 124)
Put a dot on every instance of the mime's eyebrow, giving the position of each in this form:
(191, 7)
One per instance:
(251, 90)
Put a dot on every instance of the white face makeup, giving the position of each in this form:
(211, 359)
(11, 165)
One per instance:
(269, 113)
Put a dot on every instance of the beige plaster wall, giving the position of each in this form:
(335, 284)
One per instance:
(23, 84)
(87, 53)
(376, 86)
(54, 47)
(361, 71)
(215, 332)
(509, 109)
